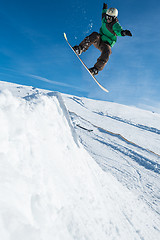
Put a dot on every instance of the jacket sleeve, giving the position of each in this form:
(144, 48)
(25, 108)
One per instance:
(117, 29)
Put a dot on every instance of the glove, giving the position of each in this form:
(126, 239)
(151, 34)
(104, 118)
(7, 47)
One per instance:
(105, 6)
(126, 33)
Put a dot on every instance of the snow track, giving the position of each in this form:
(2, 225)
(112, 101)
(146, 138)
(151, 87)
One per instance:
(142, 127)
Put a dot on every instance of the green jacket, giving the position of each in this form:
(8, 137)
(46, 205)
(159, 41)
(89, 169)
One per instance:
(110, 31)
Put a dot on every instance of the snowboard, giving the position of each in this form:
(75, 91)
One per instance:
(104, 89)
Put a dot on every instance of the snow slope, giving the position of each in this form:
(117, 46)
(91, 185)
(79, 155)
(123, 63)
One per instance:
(52, 188)
(124, 141)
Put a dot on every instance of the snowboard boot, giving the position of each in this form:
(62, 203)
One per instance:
(78, 49)
(93, 71)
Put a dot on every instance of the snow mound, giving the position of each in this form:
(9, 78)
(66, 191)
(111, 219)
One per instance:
(50, 187)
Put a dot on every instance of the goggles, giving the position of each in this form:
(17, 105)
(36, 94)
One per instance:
(110, 18)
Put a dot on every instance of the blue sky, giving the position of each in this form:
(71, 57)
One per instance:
(34, 52)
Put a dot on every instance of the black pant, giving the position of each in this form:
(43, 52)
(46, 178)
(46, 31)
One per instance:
(95, 39)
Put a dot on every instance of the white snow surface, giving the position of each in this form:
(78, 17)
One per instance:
(73, 168)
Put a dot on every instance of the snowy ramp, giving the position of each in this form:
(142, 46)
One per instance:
(50, 188)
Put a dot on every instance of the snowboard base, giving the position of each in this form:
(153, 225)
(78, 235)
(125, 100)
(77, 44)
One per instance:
(104, 89)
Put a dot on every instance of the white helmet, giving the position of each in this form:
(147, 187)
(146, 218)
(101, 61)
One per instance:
(113, 12)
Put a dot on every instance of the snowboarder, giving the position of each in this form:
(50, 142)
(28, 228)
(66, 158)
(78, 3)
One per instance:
(105, 39)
